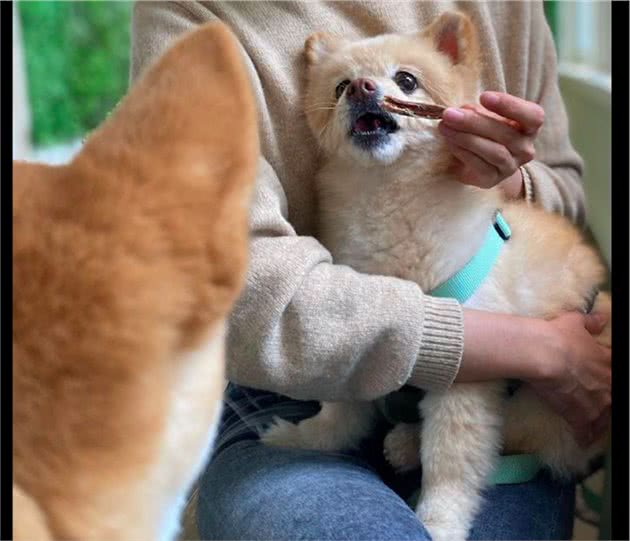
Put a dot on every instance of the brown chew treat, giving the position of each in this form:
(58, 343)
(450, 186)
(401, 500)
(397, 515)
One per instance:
(408, 108)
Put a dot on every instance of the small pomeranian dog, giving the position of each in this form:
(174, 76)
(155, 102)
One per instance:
(391, 205)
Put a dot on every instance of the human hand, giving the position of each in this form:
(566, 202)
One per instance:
(574, 378)
(492, 140)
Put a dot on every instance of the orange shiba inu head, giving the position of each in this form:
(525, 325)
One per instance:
(346, 82)
(126, 263)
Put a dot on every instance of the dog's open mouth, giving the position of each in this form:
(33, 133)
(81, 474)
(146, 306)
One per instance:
(374, 124)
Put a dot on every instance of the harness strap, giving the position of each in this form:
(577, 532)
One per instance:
(465, 282)
(511, 469)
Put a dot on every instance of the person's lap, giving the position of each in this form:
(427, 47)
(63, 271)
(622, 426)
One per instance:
(540, 509)
(256, 492)
(251, 491)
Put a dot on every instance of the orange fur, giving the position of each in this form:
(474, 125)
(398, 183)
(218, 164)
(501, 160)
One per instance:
(125, 262)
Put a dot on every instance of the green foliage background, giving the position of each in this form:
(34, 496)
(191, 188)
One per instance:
(77, 64)
(551, 12)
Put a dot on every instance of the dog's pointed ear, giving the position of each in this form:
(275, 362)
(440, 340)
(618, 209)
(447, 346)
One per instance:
(191, 114)
(454, 35)
(319, 45)
(182, 150)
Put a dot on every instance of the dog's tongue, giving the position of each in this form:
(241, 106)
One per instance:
(367, 123)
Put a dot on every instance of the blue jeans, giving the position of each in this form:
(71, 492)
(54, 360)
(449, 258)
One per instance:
(251, 491)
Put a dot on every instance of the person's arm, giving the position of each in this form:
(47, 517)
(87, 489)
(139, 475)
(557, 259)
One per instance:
(154, 27)
(556, 173)
(559, 358)
(308, 328)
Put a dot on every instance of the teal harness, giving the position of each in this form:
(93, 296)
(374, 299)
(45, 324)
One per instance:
(465, 282)
(512, 469)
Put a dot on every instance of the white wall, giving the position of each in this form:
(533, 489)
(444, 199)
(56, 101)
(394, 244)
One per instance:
(587, 98)
(21, 112)
(584, 69)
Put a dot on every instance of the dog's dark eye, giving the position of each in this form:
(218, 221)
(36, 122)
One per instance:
(341, 87)
(406, 82)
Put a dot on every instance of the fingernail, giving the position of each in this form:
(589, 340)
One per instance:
(491, 98)
(453, 115)
(600, 319)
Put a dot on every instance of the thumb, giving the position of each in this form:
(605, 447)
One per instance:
(595, 322)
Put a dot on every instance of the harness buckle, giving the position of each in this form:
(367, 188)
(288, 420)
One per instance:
(501, 226)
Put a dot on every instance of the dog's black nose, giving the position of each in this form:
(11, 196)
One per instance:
(360, 89)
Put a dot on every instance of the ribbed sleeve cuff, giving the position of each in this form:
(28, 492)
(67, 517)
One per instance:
(442, 345)
(542, 191)
(528, 185)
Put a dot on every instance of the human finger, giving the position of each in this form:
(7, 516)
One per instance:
(486, 149)
(528, 114)
(481, 123)
(476, 171)
(595, 322)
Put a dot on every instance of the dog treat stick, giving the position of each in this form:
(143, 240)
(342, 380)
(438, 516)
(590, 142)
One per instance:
(408, 108)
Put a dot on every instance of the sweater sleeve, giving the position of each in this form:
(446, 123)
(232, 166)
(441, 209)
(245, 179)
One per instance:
(303, 326)
(307, 328)
(154, 26)
(555, 174)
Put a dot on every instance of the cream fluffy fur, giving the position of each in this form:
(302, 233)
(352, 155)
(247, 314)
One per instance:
(397, 210)
(126, 263)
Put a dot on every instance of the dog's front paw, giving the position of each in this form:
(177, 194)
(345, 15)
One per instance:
(309, 434)
(444, 532)
(282, 433)
(443, 524)
(401, 447)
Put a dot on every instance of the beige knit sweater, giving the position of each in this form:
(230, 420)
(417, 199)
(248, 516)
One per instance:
(304, 326)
